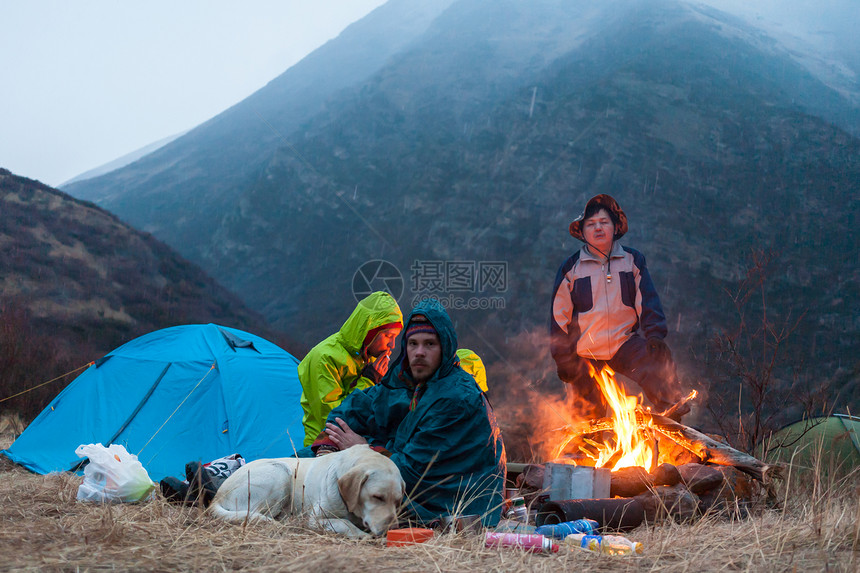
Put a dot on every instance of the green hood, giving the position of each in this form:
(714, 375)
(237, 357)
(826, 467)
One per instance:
(332, 369)
(373, 311)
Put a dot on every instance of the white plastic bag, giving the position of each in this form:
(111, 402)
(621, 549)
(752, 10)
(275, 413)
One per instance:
(112, 475)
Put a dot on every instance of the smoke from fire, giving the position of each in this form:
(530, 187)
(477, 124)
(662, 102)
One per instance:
(529, 399)
(531, 403)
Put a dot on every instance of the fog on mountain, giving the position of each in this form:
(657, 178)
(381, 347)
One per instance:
(473, 131)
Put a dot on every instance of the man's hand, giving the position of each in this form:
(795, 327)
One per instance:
(374, 371)
(342, 435)
(658, 349)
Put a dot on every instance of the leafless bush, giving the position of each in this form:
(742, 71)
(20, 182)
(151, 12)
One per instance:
(30, 363)
(756, 380)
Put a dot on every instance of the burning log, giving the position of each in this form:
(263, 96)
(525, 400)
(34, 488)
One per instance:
(643, 421)
(701, 445)
(699, 478)
(585, 428)
(668, 413)
(634, 440)
(712, 451)
(634, 480)
(630, 482)
(676, 454)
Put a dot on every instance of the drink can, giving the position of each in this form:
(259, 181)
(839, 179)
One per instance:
(529, 542)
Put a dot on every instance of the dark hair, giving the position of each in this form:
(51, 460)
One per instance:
(592, 210)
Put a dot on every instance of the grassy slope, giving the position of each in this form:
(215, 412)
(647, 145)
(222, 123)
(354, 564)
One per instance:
(44, 528)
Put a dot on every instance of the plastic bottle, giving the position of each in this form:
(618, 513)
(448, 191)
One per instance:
(518, 510)
(529, 542)
(608, 544)
(618, 545)
(562, 530)
(583, 541)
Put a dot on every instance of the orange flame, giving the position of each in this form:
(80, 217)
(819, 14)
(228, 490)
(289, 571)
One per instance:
(635, 449)
(632, 447)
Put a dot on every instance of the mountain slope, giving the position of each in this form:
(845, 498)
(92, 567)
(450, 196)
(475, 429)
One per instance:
(76, 282)
(122, 161)
(482, 139)
(204, 167)
(78, 267)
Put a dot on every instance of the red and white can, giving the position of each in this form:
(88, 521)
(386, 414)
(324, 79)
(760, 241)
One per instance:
(526, 541)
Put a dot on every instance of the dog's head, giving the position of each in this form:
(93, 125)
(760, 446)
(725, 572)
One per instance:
(372, 491)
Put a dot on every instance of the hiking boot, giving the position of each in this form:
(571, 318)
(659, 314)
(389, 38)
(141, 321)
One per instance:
(174, 490)
(201, 485)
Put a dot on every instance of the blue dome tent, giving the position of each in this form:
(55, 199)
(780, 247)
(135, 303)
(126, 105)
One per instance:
(194, 392)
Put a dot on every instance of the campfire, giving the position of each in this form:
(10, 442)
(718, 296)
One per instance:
(632, 440)
(668, 468)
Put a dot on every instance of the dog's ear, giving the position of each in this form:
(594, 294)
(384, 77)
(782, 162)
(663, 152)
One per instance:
(349, 486)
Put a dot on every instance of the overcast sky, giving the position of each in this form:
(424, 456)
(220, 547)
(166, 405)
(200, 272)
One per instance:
(86, 82)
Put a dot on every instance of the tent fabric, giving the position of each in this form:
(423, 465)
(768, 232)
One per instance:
(835, 440)
(193, 392)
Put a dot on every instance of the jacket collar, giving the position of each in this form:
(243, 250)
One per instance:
(617, 252)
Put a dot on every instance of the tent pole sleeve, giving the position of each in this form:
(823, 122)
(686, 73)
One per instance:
(85, 461)
(140, 405)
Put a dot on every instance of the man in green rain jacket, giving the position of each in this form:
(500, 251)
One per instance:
(434, 422)
(353, 358)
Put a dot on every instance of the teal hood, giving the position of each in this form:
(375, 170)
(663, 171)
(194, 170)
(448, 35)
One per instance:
(435, 313)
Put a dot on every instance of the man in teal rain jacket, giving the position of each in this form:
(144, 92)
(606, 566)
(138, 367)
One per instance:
(431, 417)
(354, 357)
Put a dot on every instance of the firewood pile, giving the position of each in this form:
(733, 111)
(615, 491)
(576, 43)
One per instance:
(694, 474)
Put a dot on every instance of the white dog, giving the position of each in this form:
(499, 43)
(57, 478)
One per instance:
(348, 492)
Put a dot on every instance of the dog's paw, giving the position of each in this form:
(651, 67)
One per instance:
(343, 527)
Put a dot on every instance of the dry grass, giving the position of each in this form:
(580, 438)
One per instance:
(43, 528)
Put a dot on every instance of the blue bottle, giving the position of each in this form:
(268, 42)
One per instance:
(562, 530)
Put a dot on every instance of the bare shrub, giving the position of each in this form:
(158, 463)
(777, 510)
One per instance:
(29, 363)
(757, 386)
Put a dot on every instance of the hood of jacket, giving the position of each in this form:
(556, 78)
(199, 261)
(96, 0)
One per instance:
(436, 314)
(472, 364)
(375, 310)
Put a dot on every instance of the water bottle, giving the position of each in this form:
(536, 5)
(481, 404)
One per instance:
(608, 544)
(562, 530)
(620, 545)
(583, 541)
